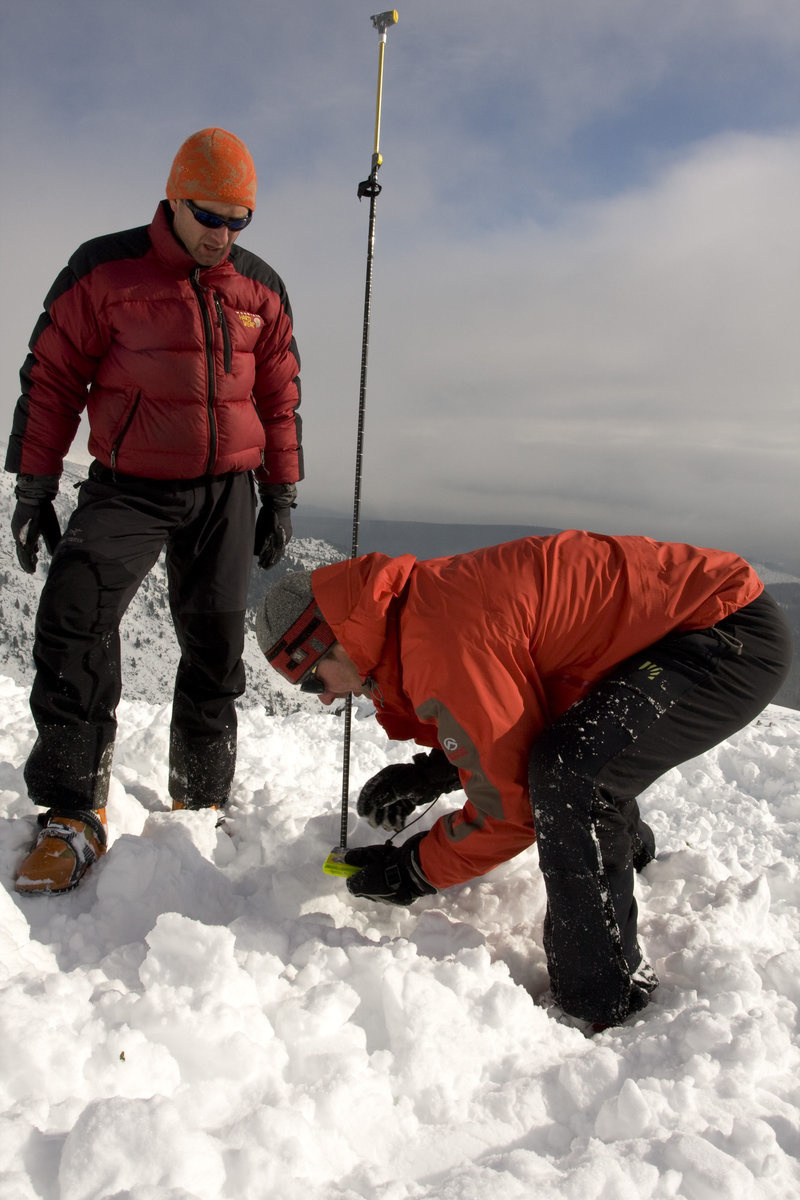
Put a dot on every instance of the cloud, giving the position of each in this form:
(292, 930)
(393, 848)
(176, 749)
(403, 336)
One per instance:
(641, 354)
(586, 248)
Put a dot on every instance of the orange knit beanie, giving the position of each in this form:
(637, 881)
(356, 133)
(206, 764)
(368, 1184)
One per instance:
(213, 165)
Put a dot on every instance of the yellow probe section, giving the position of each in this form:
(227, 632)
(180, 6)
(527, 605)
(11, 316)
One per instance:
(384, 23)
(381, 49)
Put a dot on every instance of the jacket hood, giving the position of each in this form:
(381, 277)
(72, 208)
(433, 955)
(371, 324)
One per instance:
(360, 599)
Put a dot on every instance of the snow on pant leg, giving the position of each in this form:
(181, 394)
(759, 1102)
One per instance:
(210, 677)
(107, 549)
(673, 701)
(209, 562)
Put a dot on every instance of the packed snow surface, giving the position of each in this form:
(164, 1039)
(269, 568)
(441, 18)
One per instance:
(209, 1016)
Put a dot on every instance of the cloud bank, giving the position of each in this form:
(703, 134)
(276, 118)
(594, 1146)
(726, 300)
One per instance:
(586, 264)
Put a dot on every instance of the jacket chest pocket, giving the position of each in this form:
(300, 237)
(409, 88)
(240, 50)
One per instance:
(245, 329)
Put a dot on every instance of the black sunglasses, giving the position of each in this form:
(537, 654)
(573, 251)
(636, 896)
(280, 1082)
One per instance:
(312, 684)
(214, 221)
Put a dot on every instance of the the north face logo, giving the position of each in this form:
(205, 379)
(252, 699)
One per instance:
(250, 320)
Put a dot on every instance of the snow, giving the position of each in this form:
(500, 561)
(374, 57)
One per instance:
(209, 1016)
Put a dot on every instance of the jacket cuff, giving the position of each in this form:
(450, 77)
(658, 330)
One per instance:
(278, 495)
(419, 881)
(35, 488)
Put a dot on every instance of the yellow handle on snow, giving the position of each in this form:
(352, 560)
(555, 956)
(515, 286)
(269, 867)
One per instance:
(335, 865)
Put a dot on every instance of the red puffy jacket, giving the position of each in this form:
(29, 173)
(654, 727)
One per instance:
(190, 370)
(480, 652)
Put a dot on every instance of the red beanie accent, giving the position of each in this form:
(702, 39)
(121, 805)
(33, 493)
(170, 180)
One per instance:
(213, 165)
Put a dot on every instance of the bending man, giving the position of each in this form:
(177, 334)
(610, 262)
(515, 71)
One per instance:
(555, 678)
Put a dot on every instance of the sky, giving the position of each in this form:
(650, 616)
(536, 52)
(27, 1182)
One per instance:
(586, 282)
(209, 1015)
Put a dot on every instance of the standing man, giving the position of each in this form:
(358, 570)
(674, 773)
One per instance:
(181, 345)
(555, 679)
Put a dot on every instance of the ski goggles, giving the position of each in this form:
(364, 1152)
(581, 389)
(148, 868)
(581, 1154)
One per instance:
(215, 221)
(298, 653)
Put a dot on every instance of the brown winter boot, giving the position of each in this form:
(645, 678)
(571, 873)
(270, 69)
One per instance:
(64, 850)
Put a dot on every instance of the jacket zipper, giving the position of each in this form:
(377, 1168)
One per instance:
(115, 448)
(208, 334)
(226, 335)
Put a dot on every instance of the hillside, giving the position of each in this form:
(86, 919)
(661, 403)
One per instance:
(149, 649)
(210, 1015)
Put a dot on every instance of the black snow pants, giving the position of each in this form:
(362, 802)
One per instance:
(671, 702)
(114, 537)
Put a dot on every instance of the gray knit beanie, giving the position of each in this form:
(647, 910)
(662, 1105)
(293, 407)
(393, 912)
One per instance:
(291, 630)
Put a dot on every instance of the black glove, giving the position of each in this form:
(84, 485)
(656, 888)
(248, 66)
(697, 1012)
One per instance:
(34, 517)
(388, 797)
(389, 874)
(274, 522)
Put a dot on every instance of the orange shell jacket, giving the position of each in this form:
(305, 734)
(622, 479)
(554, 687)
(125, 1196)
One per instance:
(480, 652)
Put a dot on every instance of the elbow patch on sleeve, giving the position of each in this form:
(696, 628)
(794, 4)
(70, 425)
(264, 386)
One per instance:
(462, 752)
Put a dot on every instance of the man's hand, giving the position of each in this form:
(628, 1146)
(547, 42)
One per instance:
(389, 874)
(389, 797)
(34, 517)
(274, 522)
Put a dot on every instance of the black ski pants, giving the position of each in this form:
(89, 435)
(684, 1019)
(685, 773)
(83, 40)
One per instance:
(114, 537)
(671, 702)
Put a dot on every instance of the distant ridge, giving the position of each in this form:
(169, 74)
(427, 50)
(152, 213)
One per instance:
(431, 539)
(423, 539)
(148, 641)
